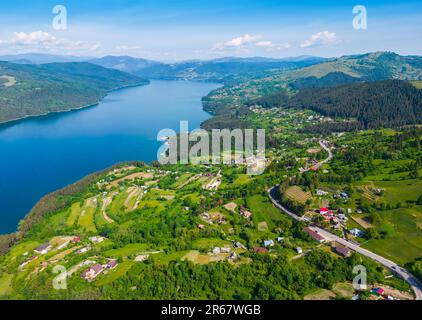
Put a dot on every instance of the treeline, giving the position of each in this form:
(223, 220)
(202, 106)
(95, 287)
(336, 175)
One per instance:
(329, 127)
(390, 103)
(329, 80)
(264, 278)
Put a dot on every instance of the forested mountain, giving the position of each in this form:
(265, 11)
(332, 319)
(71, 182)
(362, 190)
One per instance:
(40, 58)
(31, 90)
(389, 103)
(227, 70)
(273, 88)
(125, 63)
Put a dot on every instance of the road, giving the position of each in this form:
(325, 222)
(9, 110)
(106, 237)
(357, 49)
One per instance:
(404, 274)
(323, 145)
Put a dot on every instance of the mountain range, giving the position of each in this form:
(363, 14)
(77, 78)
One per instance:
(32, 90)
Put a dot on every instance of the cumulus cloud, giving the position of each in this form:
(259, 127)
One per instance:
(318, 39)
(273, 46)
(44, 41)
(248, 41)
(238, 42)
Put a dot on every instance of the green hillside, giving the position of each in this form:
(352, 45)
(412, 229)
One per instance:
(32, 90)
(230, 101)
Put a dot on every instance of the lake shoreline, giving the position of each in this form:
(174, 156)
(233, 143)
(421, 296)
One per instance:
(17, 231)
(28, 117)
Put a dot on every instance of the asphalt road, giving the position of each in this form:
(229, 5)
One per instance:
(404, 274)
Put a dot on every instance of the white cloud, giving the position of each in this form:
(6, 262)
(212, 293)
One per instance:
(273, 46)
(318, 39)
(238, 42)
(124, 47)
(246, 41)
(44, 41)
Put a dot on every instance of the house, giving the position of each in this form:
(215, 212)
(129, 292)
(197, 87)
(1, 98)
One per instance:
(216, 250)
(315, 235)
(97, 239)
(201, 226)
(260, 250)
(245, 213)
(239, 245)
(112, 264)
(63, 245)
(233, 256)
(349, 211)
(378, 291)
(76, 239)
(225, 250)
(343, 251)
(356, 232)
(43, 249)
(268, 243)
(299, 250)
(323, 210)
(280, 239)
(321, 192)
(344, 195)
(92, 272)
(83, 250)
(343, 217)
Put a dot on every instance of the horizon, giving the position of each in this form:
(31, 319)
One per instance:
(88, 58)
(180, 31)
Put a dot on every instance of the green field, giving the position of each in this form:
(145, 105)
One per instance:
(86, 221)
(127, 250)
(5, 284)
(112, 275)
(75, 211)
(263, 211)
(404, 241)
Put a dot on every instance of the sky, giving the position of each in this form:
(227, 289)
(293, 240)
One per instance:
(170, 30)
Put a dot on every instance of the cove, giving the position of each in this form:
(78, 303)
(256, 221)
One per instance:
(43, 154)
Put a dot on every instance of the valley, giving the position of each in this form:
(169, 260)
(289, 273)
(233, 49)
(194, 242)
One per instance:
(339, 198)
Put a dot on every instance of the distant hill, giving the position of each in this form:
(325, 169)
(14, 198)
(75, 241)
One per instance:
(40, 58)
(277, 85)
(31, 90)
(227, 70)
(370, 66)
(125, 63)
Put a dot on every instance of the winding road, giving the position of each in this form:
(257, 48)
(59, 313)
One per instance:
(404, 274)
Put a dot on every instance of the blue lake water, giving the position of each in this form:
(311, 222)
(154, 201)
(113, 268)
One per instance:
(40, 155)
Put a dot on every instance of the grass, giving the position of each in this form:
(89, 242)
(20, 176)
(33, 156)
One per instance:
(296, 193)
(320, 294)
(24, 247)
(6, 284)
(344, 290)
(403, 243)
(209, 243)
(127, 250)
(86, 221)
(399, 191)
(263, 210)
(166, 258)
(75, 211)
(242, 179)
(417, 84)
(113, 275)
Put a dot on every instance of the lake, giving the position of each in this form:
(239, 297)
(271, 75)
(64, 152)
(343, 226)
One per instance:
(43, 154)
